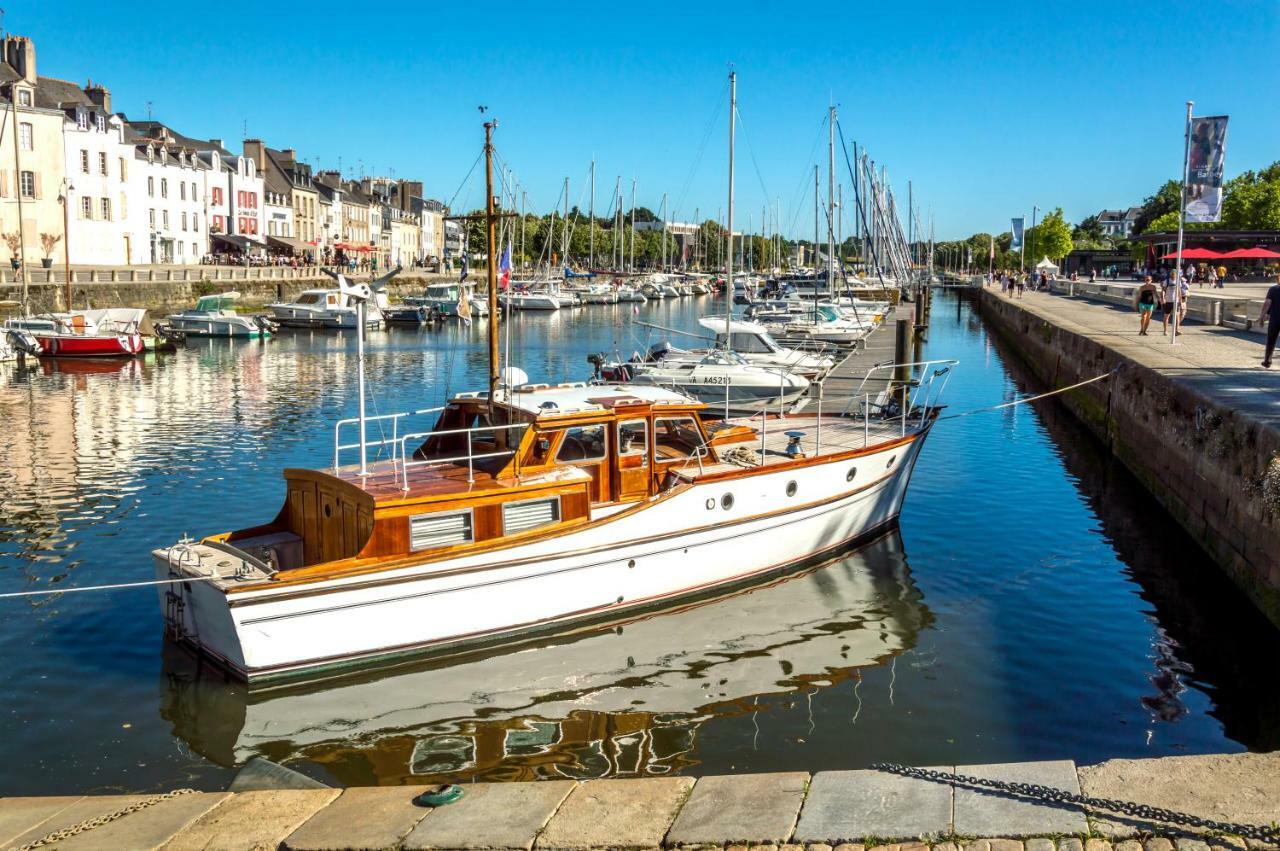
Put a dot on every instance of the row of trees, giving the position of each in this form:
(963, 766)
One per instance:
(1250, 201)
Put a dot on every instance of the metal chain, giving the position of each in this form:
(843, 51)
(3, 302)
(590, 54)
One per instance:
(1048, 793)
(99, 821)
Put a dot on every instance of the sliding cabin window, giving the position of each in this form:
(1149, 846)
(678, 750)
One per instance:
(583, 444)
(530, 514)
(675, 437)
(446, 529)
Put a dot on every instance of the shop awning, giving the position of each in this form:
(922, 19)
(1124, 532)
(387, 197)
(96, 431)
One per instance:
(1249, 254)
(236, 241)
(289, 243)
(1195, 254)
(350, 246)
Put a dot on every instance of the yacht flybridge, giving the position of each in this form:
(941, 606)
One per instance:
(529, 508)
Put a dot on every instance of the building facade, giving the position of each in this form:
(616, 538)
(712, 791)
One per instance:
(32, 175)
(167, 185)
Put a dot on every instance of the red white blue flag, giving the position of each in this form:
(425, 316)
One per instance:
(504, 268)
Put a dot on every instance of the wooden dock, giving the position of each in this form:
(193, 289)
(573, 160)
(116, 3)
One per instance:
(843, 386)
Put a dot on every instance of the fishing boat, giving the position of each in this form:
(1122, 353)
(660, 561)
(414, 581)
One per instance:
(530, 509)
(101, 333)
(214, 316)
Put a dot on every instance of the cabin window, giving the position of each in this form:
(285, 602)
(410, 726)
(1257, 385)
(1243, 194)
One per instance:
(429, 531)
(633, 440)
(583, 443)
(676, 437)
(309, 298)
(749, 344)
(530, 514)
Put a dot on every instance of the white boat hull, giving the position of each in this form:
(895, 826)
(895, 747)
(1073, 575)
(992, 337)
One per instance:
(642, 558)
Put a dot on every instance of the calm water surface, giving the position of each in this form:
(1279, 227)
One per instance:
(1035, 603)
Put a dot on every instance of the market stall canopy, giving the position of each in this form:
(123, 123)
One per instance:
(1195, 254)
(289, 243)
(236, 241)
(349, 246)
(1248, 254)
(1047, 265)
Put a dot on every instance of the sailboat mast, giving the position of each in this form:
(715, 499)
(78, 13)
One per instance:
(489, 219)
(564, 228)
(591, 254)
(728, 279)
(632, 265)
(664, 231)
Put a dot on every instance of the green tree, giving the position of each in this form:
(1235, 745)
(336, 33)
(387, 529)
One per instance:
(1050, 238)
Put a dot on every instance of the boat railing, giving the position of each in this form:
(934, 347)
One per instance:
(470, 456)
(920, 395)
(382, 441)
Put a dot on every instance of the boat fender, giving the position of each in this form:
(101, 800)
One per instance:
(439, 796)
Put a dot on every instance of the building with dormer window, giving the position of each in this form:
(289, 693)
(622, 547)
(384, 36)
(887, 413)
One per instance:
(168, 196)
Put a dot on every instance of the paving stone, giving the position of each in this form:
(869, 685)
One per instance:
(250, 821)
(790, 848)
(1042, 844)
(845, 806)
(817, 846)
(20, 815)
(987, 812)
(1070, 844)
(492, 815)
(361, 818)
(1157, 843)
(1004, 845)
(150, 828)
(1183, 843)
(849, 846)
(1101, 845)
(977, 845)
(89, 807)
(616, 814)
(1129, 845)
(740, 808)
(1242, 788)
(949, 846)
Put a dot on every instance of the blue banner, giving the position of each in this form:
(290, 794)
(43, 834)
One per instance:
(1016, 243)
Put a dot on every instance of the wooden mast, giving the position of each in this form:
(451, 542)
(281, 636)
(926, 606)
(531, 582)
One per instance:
(493, 270)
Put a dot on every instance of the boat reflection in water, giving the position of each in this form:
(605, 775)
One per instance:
(623, 700)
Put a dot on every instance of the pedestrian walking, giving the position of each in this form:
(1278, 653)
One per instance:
(1271, 315)
(1212, 278)
(1144, 301)
(1166, 306)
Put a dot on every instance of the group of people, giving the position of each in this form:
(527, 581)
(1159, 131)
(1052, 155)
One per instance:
(1016, 283)
(1170, 295)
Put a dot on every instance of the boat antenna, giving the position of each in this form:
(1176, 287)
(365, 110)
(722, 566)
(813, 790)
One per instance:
(489, 127)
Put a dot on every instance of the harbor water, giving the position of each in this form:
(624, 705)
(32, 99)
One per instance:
(1035, 602)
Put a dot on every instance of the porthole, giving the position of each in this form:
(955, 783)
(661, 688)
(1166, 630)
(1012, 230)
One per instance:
(711, 503)
(726, 501)
(792, 487)
(890, 464)
(851, 475)
(631, 563)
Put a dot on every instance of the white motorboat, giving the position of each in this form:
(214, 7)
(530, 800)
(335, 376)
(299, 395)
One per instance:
(326, 308)
(598, 294)
(214, 316)
(444, 298)
(724, 380)
(754, 344)
(627, 293)
(524, 300)
(825, 324)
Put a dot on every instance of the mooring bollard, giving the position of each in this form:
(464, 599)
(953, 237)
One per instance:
(902, 350)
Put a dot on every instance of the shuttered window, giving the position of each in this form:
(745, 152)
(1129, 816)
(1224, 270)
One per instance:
(519, 516)
(428, 531)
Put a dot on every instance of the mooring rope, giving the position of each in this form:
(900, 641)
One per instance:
(48, 591)
(1030, 398)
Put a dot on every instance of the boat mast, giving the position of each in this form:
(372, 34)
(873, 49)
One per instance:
(816, 204)
(489, 217)
(664, 231)
(831, 201)
(22, 226)
(632, 265)
(591, 254)
(564, 229)
(728, 286)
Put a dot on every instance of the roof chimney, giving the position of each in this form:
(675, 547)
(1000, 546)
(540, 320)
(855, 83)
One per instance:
(217, 143)
(20, 52)
(290, 154)
(99, 95)
(255, 150)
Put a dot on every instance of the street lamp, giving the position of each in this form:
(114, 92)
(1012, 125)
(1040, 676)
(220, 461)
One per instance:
(64, 198)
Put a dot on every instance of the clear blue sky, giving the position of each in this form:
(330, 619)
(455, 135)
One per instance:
(988, 108)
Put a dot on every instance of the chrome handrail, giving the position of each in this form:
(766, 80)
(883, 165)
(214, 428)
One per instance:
(405, 464)
(338, 446)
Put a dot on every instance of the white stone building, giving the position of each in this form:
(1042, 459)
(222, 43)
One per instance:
(167, 198)
(98, 161)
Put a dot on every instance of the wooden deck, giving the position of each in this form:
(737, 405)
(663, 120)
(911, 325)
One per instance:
(839, 387)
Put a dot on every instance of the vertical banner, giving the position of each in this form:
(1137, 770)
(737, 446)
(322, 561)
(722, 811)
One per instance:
(1016, 243)
(1206, 158)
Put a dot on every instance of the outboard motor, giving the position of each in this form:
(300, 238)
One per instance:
(658, 351)
(597, 361)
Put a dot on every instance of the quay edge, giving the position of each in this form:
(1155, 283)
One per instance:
(1213, 467)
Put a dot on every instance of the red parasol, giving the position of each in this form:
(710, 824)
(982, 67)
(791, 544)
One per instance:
(1194, 254)
(1248, 254)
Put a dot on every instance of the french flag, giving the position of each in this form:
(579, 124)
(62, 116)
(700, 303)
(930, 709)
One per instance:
(504, 268)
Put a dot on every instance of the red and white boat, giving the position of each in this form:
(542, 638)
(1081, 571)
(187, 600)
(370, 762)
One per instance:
(103, 333)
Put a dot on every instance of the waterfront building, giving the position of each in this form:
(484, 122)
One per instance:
(431, 215)
(454, 239)
(32, 176)
(167, 184)
(357, 209)
(1118, 223)
(291, 202)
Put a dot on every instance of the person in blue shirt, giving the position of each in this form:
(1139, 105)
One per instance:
(1271, 315)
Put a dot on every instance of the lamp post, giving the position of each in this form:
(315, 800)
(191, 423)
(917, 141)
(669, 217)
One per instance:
(64, 197)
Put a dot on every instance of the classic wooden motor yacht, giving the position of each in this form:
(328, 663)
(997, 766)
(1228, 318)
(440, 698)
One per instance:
(532, 509)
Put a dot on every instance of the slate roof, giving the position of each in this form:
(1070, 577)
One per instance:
(60, 94)
(156, 129)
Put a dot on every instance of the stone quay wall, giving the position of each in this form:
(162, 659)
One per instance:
(1215, 469)
(167, 290)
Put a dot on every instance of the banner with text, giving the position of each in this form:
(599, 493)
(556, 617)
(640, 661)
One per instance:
(1016, 243)
(1206, 158)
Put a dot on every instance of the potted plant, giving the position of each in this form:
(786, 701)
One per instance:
(48, 241)
(14, 242)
